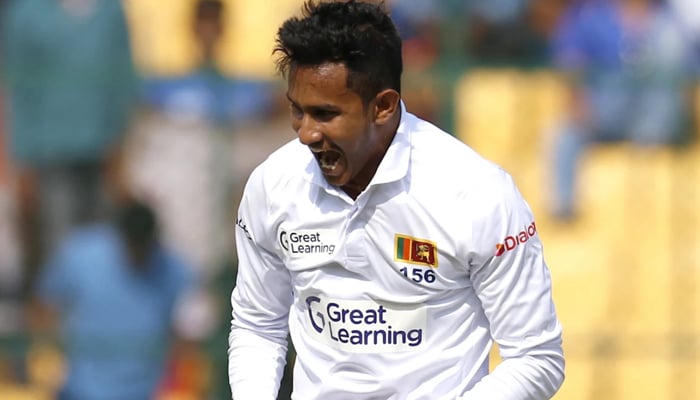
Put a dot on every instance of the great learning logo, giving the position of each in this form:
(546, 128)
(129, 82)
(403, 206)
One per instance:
(363, 326)
(307, 242)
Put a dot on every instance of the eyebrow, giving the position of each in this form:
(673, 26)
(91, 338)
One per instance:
(325, 106)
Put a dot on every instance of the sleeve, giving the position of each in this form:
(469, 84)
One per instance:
(512, 281)
(261, 300)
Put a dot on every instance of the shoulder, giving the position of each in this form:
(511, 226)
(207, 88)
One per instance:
(464, 185)
(84, 250)
(441, 157)
(91, 238)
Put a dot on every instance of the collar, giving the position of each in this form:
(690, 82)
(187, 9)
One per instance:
(394, 165)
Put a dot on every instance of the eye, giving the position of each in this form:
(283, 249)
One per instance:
(296, 112)
(324, 115)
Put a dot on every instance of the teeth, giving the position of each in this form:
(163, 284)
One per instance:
(326, 164)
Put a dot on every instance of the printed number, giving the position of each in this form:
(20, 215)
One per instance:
(419, 274)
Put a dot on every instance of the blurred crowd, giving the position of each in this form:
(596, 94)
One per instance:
(118, 187)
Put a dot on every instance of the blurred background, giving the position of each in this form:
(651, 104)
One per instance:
(591, 105)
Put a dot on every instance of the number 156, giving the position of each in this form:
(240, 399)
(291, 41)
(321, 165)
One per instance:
(419, 274)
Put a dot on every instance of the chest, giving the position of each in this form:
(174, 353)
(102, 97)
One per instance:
(382, 247)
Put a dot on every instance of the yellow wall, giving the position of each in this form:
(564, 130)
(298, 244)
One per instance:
(250, 41)
(160, 37)
(163, 45)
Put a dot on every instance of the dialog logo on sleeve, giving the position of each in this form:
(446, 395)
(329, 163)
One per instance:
(512, 241)
(363, 326)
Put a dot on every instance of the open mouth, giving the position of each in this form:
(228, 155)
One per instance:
(329, 161)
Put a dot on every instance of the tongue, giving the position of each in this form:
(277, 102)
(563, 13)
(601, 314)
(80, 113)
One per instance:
(328, 160)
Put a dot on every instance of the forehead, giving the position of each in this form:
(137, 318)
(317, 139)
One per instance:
(326, 81)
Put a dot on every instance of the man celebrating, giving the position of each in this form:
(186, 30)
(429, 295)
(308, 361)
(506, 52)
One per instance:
(391, 285)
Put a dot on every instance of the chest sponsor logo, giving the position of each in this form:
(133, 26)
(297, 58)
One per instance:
(415, 251)
(513, 241)
(364, 326)
(307, 242)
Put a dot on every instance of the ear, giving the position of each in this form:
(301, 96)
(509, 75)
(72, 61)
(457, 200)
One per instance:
(386, 105)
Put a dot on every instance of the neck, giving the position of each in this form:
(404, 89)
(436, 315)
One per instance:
(352, 191)
(359, 183)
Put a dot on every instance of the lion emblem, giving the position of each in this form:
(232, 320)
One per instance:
(423, 252)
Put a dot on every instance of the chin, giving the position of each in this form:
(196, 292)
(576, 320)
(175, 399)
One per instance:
(335, 180)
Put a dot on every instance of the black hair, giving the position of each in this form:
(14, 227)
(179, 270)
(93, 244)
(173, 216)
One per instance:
(137, 223)
(360, 35)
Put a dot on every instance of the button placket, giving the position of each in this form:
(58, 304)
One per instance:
(355, 248)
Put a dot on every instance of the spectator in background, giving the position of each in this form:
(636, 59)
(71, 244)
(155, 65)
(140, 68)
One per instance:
(628, 66)
(178, 157)
(501, 32)
(178, 154)
(419, 24)
(206, 92)
(70, 85)
(10, 268)
(114, 288)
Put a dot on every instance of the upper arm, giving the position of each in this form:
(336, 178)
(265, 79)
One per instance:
(510, 276)
(262, 295)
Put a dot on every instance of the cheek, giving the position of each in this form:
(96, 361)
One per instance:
(353, 134)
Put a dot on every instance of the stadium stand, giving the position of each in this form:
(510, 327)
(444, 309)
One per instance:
(626, 272)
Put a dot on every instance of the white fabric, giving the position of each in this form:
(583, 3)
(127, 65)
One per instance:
(367, 324)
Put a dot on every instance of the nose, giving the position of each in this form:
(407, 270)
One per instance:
(308, 132)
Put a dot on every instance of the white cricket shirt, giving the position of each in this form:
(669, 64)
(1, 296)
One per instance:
(398, 294)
